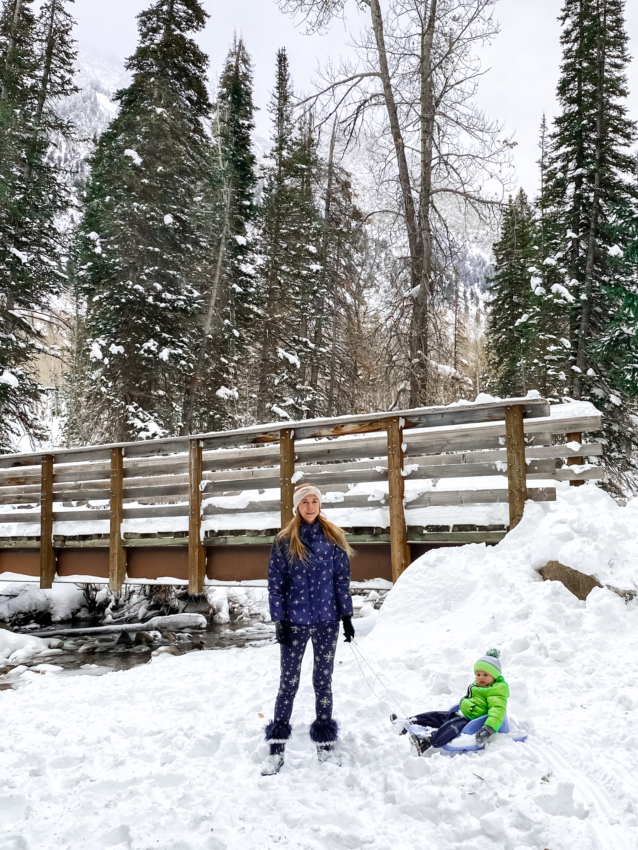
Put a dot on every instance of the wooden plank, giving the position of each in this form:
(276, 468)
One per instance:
(451, 498)
(258, 434)
(596, 473)
(286, 471)
(575, 437)
(196, 551)
(462, 537)
(398, 528)
(47, 555)
(516, 468)
(500, 455)
(436, 440)
(117, 555)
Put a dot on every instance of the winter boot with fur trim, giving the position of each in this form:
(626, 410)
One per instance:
(274, 761)
(328, 753)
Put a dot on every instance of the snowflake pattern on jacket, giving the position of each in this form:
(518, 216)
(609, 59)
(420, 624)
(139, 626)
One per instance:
(314, 592)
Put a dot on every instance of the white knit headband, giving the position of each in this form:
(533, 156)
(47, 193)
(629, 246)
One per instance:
(307, 490)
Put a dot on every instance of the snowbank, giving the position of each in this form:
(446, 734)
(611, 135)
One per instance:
(61, 601)
(168, 754)
(16, 649)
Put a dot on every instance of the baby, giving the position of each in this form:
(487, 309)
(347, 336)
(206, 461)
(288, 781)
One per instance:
(487, 695)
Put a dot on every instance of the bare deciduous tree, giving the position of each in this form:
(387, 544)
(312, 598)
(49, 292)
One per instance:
(412, 88)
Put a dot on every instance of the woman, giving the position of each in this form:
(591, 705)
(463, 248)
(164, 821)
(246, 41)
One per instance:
(309, 592)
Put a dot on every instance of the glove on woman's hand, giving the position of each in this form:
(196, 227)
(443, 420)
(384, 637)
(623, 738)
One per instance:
(348, 628)
(283, 632)
(483, 735)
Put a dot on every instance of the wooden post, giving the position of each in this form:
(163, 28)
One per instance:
(516, 466)
(47, 555)
(196, 551)
(575, 437)
(117, 553)
(398, 531)
(286, 471)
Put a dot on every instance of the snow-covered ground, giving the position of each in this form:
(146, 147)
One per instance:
(167, 755)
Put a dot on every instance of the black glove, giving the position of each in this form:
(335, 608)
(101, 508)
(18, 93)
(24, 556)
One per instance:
(283, 632)
(484, 734)
(348, 628)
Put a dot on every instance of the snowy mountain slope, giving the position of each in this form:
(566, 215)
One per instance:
(89, 110)
(168, 755)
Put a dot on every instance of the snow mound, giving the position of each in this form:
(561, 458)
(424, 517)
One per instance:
(176, 747)
(15, 649)
(61, 601)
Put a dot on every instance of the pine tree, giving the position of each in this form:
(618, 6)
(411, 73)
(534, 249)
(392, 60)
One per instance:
(549, 343)
(509, 332)
(228, 278)
(141, 240)
(591, 188)
(36, 69)
(290, 244)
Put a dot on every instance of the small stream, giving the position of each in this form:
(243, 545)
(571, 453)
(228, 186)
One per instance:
(95, 655)
(80, 653)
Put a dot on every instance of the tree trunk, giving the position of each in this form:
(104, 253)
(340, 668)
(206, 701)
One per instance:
(17, 11)
(196, 377)
(419, 336)
(318, 340)
(414, 241)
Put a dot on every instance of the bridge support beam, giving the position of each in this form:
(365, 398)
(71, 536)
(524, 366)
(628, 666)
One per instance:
(196, 551)
(117, 553)
(516, 465)
(286, 471)
(47, 555)
(396, 486)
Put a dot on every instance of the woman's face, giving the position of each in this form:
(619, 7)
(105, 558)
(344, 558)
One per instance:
(309, 508)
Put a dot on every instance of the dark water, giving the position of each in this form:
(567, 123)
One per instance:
(95, 655)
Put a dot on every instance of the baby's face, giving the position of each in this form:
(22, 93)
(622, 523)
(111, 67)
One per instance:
(483, 679)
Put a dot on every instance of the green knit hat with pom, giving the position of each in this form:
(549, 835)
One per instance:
(490, 663)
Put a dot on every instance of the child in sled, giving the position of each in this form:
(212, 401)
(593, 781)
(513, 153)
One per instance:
(486, 695)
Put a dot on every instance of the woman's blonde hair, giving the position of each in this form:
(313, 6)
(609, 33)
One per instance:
(296, 547)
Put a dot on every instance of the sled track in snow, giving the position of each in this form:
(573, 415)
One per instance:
(588, 791)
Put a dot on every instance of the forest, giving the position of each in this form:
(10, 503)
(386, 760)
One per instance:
(378, 256)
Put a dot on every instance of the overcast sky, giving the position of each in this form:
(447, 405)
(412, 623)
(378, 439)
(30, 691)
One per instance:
(523, 60)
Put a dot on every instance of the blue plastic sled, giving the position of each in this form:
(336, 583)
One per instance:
(471, 729)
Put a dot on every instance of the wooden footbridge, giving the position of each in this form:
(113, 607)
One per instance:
(149, 510)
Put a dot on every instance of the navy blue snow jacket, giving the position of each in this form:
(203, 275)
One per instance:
(315, 592)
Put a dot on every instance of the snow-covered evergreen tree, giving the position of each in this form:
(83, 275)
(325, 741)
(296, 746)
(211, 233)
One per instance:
(141, 240)
(592, 196)
(509, 332)
(228, 273)
(36, 69)
(290, 246)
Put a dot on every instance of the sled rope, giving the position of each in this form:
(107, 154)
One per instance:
(358, 654)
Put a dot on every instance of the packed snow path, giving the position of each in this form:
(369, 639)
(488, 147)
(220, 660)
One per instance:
(168, 755)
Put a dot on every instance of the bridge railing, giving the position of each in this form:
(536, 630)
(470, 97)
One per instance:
(185, 482)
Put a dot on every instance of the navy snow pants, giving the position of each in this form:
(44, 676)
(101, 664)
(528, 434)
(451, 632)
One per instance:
(448, 725)
(324, 638)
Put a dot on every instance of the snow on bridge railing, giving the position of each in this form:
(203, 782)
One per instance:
(193, 482)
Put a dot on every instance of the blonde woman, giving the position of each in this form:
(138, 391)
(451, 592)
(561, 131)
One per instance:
(309, 592)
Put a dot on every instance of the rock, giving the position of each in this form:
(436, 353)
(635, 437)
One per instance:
(178, 622)
(171, 637)
(5, 626)
(165, 650)
(88, 647)
(124, 640)
(577, 583)
(143, 638)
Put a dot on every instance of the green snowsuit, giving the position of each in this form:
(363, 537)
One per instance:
(491, 700)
